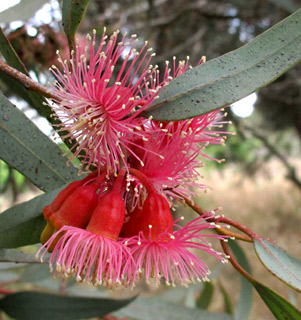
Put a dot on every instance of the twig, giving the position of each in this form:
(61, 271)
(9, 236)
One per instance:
(27, 82)
(235, 264)
(250, 234)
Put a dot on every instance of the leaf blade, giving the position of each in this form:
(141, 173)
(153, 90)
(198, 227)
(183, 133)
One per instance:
(228, 78)
(281, 308)
(47, 168)
(33, 305)
(281, 264)
(244, 304)
(73, 12)
(23, 223)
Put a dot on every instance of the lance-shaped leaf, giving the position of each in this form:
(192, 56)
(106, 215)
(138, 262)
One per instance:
(23, 223)
(30, 151)
(39, 305)
(154, 308)
(73, 13)
(244, 304)
(228, 78)
(281, 264)
(9, 255)
(282, 309)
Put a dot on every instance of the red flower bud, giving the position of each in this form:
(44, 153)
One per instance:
(108, 217)
(155, 214)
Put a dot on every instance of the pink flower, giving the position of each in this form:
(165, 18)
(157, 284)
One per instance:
(100, 107)
(89, 257)
(180, 146)
(168, 256)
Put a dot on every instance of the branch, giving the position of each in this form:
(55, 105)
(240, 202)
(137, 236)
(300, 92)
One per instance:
(198, 209)
(27, 82)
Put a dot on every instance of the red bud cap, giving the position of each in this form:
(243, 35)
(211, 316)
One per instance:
(108, 217)
(77, 208)
(155, 215)
(64, 194)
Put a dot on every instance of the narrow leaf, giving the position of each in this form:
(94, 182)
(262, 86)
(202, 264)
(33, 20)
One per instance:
(228, 78)
(39, 305)
(280, 263)
(154, 308)
(8, 255)
(244, 304)
(22, 224)
(206, 296)
(30, 151)
(227, 299)
(73, 12)
(281, 309)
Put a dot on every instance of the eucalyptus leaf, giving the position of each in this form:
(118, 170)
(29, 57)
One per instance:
(30, 151)
(154, 308)
(280, 263)
(245, 301)
(23, 223)
(206, 296)
(227, 299)
(73, 12)
(9, 255)
(39, 305)
(281, 309)
(230, 77)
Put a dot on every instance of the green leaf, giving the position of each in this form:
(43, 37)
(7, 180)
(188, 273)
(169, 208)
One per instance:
(227, 299)
(281, 309)
(73, 12)
(228, 78)
(34, 99)
(244, 304)
(206, 296)
(281, 264)
(8, 255)
(22, 224)
(154, 308)
(39, 305)
(30, 151)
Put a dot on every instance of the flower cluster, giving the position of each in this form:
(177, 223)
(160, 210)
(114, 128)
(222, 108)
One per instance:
(94, 238)
(115, 225)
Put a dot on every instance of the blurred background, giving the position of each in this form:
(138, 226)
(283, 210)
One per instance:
(259, 184)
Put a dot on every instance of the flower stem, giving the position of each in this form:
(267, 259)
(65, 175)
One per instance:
(250, 234)
(235, 264)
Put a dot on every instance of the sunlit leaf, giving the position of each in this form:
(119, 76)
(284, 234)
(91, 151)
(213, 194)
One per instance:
(73, 13)
(39, 305)
(280, 263)
(282, 309)
(30, 151)
(228, 78)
